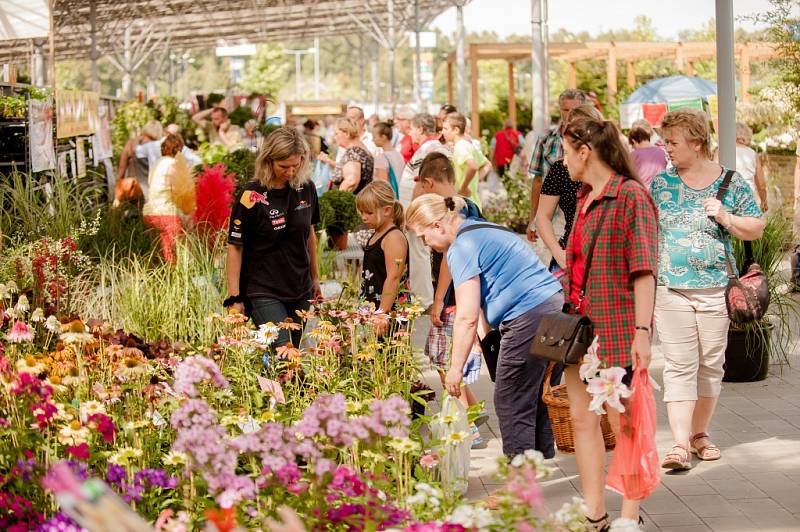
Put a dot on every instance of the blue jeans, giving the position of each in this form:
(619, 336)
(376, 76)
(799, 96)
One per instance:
(522, 416)
(266, 309)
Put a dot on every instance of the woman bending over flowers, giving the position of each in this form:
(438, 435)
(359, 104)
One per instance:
(615, 207)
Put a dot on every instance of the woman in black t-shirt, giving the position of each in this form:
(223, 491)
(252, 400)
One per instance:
(272, 250)
(558, 190)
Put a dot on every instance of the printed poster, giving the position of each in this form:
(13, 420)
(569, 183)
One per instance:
(101, 140)
(686, 103)
(76, 113)
(40, 116)
(654, 112)
(80, 158)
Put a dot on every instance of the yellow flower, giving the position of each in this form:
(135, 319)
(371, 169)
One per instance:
(124, 456)
(364, 356)
(267, 416)
(404, 445)
(456, 437)
(73, 434)
(89, 408)
(175, 458)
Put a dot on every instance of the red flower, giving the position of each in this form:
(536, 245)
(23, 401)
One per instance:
(104, 425)
(81, 452)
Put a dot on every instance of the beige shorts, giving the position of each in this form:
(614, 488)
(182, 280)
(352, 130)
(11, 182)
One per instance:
(693, 327)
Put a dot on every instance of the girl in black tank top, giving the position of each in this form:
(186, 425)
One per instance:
(385, 267)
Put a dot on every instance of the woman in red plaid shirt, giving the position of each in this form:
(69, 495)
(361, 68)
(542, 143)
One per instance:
(620, 290)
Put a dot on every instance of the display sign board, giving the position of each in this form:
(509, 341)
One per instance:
(316, 108)
(76, 113)
(686, 103)
(24, 19)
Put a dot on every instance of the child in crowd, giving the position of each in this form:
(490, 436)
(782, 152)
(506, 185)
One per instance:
(469, 164)
(437, 176)
(385, 266)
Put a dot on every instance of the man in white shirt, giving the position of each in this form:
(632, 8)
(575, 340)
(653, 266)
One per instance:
(423, 132)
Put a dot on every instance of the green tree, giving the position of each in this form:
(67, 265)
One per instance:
(266, 71)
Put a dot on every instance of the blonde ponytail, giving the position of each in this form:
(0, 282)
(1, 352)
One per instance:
(431, 208)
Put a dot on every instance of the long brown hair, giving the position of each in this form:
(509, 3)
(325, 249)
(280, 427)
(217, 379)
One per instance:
(602, 137)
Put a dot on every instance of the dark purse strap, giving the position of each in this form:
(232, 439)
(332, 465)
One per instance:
(723, 189)
(590, 252)
(481, 226)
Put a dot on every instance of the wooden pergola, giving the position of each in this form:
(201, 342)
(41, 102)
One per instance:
(684, 54)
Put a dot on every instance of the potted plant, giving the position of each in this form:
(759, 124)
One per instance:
(751, 347)
(338, 216)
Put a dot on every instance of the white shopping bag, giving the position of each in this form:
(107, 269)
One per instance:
(451, 429)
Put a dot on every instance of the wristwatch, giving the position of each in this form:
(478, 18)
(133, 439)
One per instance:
(532, 225)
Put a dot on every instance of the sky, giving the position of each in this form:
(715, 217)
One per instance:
(507, 17)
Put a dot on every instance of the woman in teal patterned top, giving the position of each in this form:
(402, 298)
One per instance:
(691, 316)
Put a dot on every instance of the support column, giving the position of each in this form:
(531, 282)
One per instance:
(475, 103)
(512, 97)
(611, 75)
(689, 68)
(680, 61)
(392, 53)
(572, 76)
(95, 83)
(51, 67)
(726, 84)
(539, 67)
(631, 74)
(449, 82)
(316, 68)
(38, 71)
(418, 64)
(460, 61)
(744, 73)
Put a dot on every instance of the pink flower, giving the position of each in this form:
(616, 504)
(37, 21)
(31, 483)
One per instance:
(429, 461)
(608, 387)
(526, 488)
(590, 364)
(81, 452)
(194, 370)
(20, 333)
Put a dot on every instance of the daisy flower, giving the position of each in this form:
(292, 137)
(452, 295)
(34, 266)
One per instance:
(20, 333)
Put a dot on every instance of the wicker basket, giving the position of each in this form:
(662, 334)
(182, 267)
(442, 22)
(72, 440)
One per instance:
(557, 402)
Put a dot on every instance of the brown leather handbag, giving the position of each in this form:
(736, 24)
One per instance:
(566, 336)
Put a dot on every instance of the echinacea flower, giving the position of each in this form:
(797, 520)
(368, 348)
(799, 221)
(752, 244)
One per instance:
(175, 458)
(22, 305)
(266, 334)
(124, 456)
(456, 437)
(52, 324)
(73, 433)
(89, 408)
(608, 387)
(404, 445)
(37, 315)
(20, 333)
(30, 364)
(429, 461)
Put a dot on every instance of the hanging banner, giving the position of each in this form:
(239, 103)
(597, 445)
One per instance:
(101, 141)
(80, 158)
(76, 113)
(654, 112)
(630, 113)
(686, 103)
(40, 116)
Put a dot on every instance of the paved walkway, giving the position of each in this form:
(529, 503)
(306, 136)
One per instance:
(755, 486)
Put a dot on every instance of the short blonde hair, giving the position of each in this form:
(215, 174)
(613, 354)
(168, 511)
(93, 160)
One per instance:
(348, 126)
(744, 135)
(428, 209)
(279, 145)
(692, 124)
(153, 129)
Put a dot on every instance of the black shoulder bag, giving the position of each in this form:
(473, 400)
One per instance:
(566, 336)
(746, 297)
(490, 344)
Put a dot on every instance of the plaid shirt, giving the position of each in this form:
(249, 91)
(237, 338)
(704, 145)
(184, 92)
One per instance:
(629, 245)
(548, 150)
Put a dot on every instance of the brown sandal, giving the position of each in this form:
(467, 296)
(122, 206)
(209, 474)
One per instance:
(706, 452)
(678, 458)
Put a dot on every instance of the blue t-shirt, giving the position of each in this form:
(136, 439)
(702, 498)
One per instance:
(690, 245)
(513, 279)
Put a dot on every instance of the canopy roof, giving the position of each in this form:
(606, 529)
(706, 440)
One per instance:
(200, 23)
(672, 88)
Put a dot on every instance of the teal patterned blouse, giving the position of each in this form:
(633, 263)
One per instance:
(690, 245)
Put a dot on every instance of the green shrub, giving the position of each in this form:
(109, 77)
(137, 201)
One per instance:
(128, 122)
(240, 115)
(337, 209)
